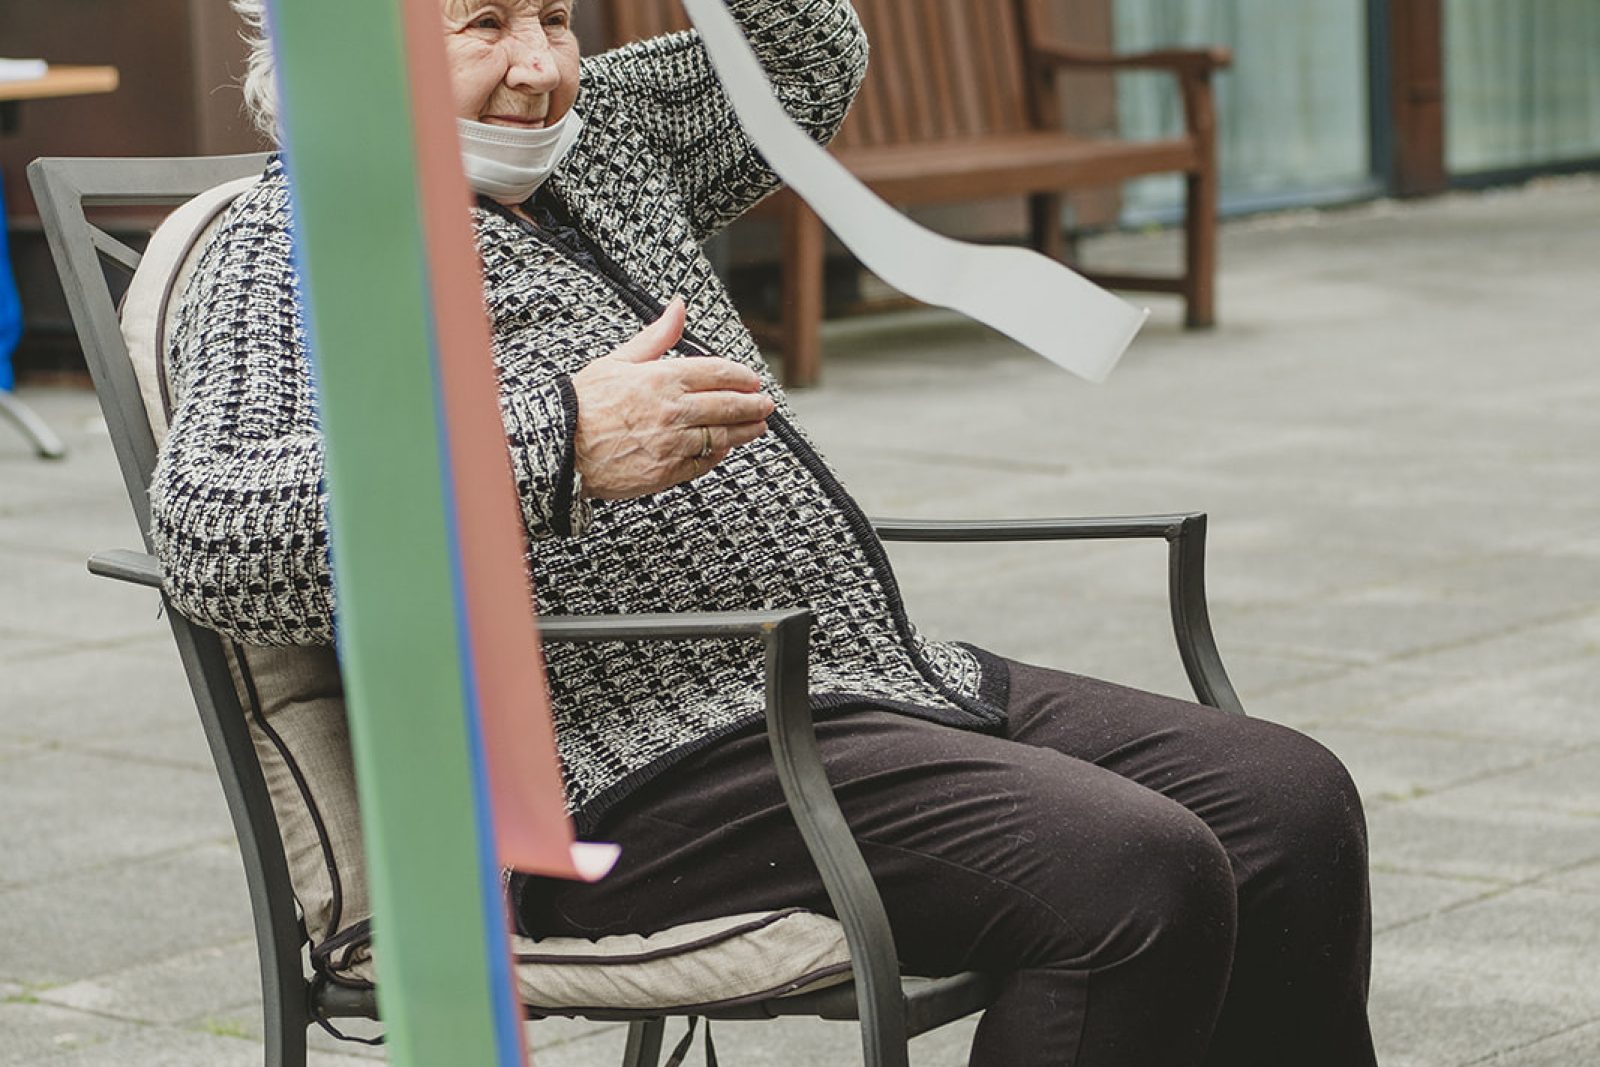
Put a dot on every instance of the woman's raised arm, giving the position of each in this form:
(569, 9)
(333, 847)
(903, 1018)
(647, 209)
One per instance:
(814, 52)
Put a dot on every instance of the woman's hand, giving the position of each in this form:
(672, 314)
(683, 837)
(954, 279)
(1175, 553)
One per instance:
(645, 424)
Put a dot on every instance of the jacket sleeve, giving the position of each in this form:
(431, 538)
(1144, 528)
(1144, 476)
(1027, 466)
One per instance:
(238, 499)
(814, 53)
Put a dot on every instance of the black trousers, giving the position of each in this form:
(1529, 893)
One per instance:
(1163, 884)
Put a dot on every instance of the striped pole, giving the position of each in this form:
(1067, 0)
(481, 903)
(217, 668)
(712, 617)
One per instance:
(443, 679)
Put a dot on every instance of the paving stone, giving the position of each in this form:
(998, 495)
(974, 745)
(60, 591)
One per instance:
(69, 525)
(1363, 632)
(548, 1033)
(115, 611)
(95, 693)
(1580, 1045)
(121, 915)
(1399, 898)
(36, 1033)
(244, 1021)
(1467, 833)
(1514, 682)
(1584, 878)
(164, 1046)
(1552, 702)
(185, 987)
(68, 812)
(1397, 765)
(18, 646)
(13, 748)
(1486, 978)
(1568, 783)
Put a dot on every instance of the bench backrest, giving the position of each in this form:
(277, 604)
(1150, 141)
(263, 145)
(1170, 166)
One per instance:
(941, 69)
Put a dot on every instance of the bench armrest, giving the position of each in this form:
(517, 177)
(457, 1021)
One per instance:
(1185, 534)
(1193, 62)
(1192, 67)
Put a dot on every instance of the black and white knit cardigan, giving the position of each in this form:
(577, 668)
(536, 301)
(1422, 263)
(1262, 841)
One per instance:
(662, 164)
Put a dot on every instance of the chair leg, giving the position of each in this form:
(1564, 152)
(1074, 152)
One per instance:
(1200, 249)
(1044, 225)
(802, 290)
(285, 1036)
(644, 1043)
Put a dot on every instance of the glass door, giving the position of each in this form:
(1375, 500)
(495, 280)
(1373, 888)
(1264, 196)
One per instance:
(1522, 84)
(1293, 117)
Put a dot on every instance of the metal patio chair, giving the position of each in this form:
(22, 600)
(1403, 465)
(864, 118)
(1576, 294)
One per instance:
(868, 987)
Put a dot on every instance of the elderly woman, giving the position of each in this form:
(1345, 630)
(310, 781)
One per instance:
(1164, 884)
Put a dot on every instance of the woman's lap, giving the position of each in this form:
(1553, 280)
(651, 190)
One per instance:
(1109, 838)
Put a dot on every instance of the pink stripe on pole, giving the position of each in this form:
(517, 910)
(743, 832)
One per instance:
(532, 830)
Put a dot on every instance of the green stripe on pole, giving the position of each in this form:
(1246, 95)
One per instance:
(352, 154)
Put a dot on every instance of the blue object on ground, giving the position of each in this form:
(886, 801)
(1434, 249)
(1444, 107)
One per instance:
(10, 303)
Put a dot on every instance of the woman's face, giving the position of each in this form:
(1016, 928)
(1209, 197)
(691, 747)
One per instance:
(512, 62)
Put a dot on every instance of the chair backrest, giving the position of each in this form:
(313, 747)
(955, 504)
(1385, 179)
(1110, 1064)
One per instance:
(941, 69)
(274, 718)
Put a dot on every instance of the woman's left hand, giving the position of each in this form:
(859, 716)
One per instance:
(646, 424)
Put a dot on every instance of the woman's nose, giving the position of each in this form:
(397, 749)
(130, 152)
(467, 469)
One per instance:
(532, 63)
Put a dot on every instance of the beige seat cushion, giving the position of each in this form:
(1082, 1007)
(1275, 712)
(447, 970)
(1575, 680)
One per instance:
(704, 965)
(294, 700)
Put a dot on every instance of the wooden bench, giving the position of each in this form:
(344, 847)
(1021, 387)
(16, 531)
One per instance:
(961, 104)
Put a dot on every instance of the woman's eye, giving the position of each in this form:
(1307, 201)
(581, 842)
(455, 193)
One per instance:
(485, 22)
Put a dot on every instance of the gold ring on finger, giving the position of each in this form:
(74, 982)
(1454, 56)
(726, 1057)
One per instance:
(705, 443)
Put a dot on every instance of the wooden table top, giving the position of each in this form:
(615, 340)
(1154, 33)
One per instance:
(61, 81)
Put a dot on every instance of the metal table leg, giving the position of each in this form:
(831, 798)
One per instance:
(44, 440)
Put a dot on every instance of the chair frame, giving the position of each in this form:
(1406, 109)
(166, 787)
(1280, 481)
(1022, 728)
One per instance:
(890, 1008)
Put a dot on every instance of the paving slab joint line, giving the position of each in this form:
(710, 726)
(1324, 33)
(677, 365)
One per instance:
(1480, 777)
(1501, 1054)
(61, 647)
(1568, 615)
(122, 864)
(78, 747)
(1497, 889)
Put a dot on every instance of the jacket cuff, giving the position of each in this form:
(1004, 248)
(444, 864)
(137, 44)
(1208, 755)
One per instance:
(570, 511)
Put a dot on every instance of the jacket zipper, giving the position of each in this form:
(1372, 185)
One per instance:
(648, 308)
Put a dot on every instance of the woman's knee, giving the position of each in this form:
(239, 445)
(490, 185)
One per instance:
(1167, 893)
(1318, 826)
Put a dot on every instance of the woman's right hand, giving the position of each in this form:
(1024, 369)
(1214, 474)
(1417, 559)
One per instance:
(646, 424)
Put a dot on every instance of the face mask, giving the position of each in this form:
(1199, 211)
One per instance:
(508, 164)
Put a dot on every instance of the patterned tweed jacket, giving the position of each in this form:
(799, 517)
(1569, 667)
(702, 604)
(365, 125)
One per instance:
(662, 164)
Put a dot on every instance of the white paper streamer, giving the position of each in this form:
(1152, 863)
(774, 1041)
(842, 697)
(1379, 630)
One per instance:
(1029, 297)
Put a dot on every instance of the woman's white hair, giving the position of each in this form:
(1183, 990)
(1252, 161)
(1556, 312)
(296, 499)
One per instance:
(260, 83)
(260, 74)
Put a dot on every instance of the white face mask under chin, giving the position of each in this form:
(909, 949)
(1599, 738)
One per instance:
(508, 164)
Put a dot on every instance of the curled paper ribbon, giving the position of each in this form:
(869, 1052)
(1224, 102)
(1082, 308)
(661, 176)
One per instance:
(1034, 300)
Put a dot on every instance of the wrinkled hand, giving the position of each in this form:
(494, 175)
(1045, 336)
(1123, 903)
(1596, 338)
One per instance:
(643, 421)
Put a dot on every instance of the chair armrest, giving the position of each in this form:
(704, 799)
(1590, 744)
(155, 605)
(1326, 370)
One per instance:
(126, 565)
(1187, 62)
(1073, 529)
(786, 637)
(1185, 534)
(677, 626)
